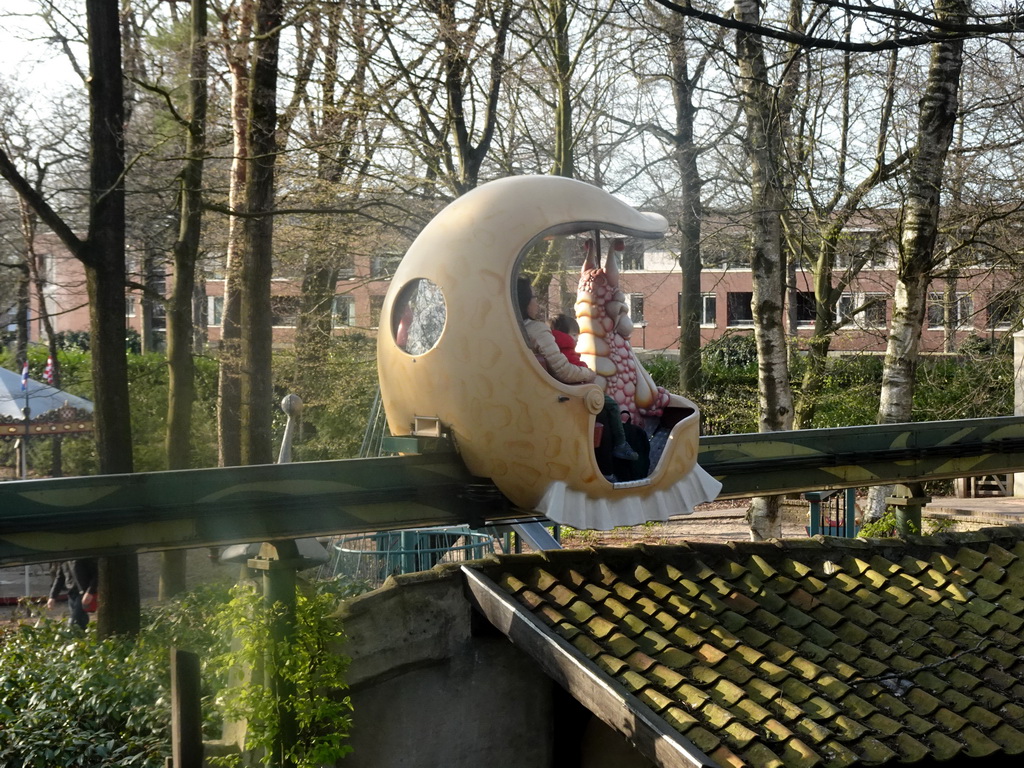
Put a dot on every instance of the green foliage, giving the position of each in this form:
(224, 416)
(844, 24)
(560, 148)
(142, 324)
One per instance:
(147, 392)
(850, 391)
(69, 699)
(730, 351)
(884, 527)
(334, 418)
(664, 370)
(310, 665)
(82, 340)
(964, 387)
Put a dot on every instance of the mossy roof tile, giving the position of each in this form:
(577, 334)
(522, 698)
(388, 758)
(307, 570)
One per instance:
(705, 740)
(817, 654)
(988, 698)
(679, 719)
(676, 659)
(950, 721)
(849, 730)
(620, 645)
(962, 680)
(1013, 713)
(737, 672)
(883, 725)
(910, 749)
(656, 700)
(956, 701)
(922, 702)
(1007, 620)
(813, 731)
(819, 708)
(978, 744)
(873, 751)
(613, 665)
(727, 693)
(917, 725)
(837, 666)
(798, 754)
(943, 747)
(795, 690)
(762, 691)
(998, 677)
(760, 755)
(1009, 738)
(739, 736)
(751, 712)
(694, 698)
(813, 652)
(786, 709)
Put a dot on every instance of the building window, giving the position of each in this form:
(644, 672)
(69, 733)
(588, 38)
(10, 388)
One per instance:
(129, 306)
(1003, 312)
(708, 310)
(284, 311)
(961, 311)
(866, 310)
(376, 304)
(844, 309)
(874, 310)
(806, 310)
(384, 265)
(215, 307)
(343, 312)
(739, 311)
(636, 308)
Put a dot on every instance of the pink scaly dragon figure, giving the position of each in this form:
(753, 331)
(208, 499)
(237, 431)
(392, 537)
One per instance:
(603, 344)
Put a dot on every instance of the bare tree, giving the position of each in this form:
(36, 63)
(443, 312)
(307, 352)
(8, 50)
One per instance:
(917, 255)
(102, 253)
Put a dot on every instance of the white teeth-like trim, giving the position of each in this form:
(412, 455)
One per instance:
(563, 505)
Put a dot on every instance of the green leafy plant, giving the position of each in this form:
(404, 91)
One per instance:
(69, 699)
(307, 663)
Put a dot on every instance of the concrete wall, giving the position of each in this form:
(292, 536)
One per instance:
(428, 691)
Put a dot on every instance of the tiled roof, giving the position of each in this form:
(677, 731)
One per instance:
(801, 652)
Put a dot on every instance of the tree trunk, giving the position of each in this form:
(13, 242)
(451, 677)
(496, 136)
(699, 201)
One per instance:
(181, 385)
(229, 380)
(917, 258)
(764, 146)
(691, 213)
(257, 338)
(104, 258)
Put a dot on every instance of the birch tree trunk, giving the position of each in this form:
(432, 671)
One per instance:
(917, 257)
(765, 153)
(229, 381)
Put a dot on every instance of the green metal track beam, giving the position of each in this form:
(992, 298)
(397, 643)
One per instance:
(769, 463)
(43, 520)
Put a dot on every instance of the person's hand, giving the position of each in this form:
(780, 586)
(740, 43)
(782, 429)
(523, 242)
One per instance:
(50, 603)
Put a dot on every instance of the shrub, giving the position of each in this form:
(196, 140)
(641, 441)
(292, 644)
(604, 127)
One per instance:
(67, 698)
(731, 351)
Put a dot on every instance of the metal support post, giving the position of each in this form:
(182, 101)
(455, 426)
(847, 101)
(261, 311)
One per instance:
(908, 500)
(850, 516)
(814, 523)
(279, 562)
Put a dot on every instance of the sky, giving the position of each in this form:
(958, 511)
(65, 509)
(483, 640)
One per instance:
(24, 55)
